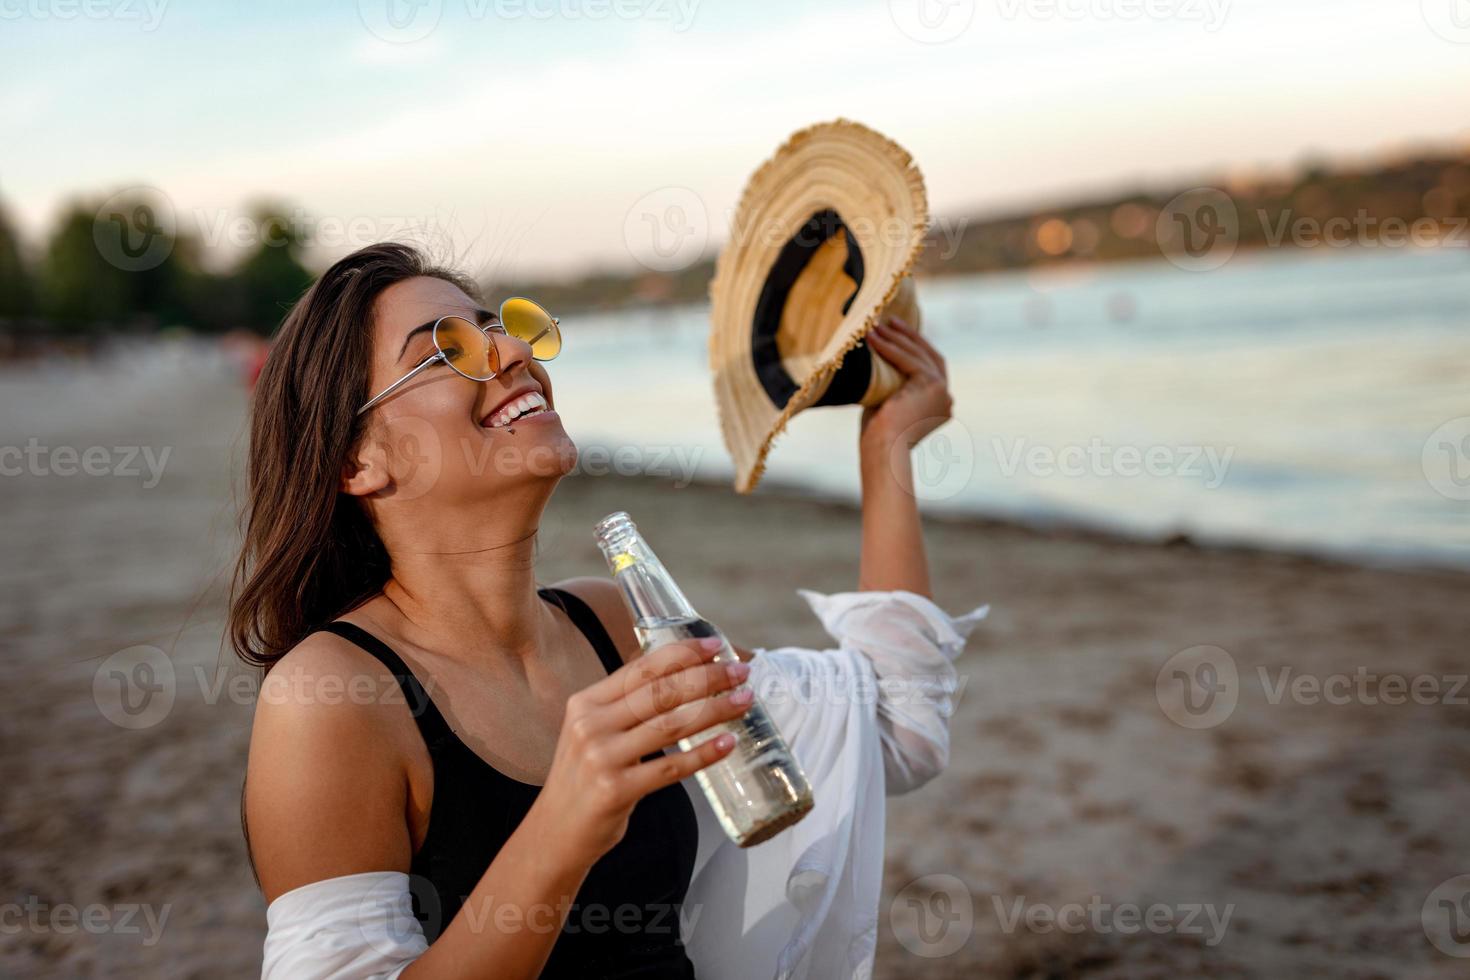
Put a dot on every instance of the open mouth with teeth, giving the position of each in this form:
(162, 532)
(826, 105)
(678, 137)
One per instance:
(529, 404)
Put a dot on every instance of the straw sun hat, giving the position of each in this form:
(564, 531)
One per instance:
(820, 249)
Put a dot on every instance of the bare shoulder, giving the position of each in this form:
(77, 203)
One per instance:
(326, 784)
(607, 602)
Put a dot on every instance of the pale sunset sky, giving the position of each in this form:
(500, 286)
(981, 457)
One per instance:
(527, 134)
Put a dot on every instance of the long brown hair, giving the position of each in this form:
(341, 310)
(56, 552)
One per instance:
(309, 552)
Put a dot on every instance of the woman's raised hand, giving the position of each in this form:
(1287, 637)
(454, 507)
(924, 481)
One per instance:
(598, 773)
(924, 401)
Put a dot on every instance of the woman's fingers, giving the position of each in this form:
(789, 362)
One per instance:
(691, 685)
(663, 696)
(683, 721)
(906, 355)
(888, 347)
(920, 348)
(668, 769)
(651, 667)
(923, 342)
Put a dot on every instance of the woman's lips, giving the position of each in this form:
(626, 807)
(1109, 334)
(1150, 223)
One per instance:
(518, 408)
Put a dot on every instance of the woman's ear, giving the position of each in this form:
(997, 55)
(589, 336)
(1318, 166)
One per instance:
(366, 470)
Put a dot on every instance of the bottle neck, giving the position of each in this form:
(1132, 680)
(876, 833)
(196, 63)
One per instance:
(649, 590)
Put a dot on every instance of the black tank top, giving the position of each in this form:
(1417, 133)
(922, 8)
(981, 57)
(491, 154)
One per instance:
(624, 921)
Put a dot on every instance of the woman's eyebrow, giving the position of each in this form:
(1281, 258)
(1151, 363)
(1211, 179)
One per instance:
(482, 317)
(422, 327)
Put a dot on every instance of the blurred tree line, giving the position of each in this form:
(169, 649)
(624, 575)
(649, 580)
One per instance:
(1413, 198)
(80, 285)
(1428, 191)
(76, 285)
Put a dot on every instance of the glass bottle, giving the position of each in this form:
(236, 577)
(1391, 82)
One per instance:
(757, 790)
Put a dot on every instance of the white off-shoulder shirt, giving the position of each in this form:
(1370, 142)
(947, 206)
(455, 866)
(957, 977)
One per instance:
(866, 718)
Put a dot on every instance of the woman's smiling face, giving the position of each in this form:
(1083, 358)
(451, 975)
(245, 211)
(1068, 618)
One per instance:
(443, 436)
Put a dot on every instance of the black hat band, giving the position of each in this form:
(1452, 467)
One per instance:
(851, 380)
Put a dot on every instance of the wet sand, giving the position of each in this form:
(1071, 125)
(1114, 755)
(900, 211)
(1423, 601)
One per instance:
(1320, 829)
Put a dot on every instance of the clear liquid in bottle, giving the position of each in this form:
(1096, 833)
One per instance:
(758, 789)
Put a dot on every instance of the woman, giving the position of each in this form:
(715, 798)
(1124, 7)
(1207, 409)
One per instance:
(434, 728)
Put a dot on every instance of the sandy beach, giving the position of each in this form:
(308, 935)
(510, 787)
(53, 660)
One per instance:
(1295, 835)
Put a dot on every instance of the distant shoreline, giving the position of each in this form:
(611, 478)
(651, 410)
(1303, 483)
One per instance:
(1417, 200)
(1076, 529)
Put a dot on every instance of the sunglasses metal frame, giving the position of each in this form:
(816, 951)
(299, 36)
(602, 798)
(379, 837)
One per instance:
(439, 354)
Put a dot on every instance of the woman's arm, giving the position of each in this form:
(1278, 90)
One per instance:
(893, 556)
(329, 794)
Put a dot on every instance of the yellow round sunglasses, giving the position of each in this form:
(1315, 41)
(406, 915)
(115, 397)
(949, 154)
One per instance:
(467, 347)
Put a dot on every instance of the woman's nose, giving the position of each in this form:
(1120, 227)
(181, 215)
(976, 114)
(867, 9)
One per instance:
(510, 351)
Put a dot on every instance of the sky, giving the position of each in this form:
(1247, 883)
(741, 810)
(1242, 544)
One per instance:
(536, 137)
